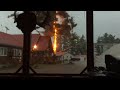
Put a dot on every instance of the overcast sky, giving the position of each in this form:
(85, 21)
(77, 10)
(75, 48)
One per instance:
(104, 21)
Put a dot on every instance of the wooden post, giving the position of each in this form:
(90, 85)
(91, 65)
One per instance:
(26, 22)
(90, 45)
(26, 52)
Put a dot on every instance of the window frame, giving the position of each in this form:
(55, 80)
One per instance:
(90, 51)
(4, 49)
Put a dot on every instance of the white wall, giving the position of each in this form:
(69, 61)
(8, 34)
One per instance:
(67, 56)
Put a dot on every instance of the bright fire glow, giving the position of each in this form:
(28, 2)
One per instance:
(35, 47)
(55, 37)
(55, 41)
(54, 22)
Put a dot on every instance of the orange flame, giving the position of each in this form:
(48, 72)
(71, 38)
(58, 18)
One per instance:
(55, 38)
(55, 41)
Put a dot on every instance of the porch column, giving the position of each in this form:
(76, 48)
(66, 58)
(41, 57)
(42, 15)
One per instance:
(90, 45)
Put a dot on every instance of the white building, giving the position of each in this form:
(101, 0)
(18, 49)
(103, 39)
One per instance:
(65, 57)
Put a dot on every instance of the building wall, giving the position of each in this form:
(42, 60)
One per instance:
(4, 60)
(10, 55)
(40, 57)
(8, 60)
(66, 56)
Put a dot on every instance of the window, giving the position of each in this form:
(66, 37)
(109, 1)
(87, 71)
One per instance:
(106, 36)
(3, 51)
(68, 43)
(17, 52)
(43, 59)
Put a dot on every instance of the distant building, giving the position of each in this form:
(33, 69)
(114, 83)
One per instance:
(65, 57)
(11, 46)
(102, 47)
(76, 57)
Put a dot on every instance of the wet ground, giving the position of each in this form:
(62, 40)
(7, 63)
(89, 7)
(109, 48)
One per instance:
(75, 68)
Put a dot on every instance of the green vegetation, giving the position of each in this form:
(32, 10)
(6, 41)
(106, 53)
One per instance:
(106, 39)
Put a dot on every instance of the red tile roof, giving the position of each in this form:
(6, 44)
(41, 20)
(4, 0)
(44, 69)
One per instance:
(17, 40)
(43, 41)
(7, 39)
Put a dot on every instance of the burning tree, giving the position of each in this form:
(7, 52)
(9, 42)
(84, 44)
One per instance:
(65, 29)
(67, 25)
(45, 19)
